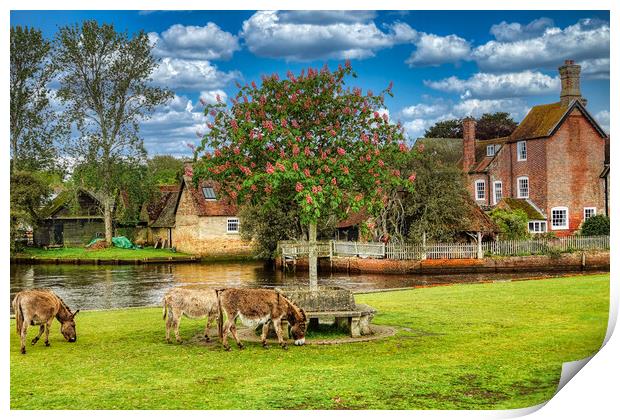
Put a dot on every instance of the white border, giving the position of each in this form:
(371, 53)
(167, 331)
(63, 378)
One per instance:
(519, 187)
(484, 187)
(501, 190)
(563, 227)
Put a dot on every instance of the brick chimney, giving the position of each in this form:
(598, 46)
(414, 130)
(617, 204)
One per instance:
(569, 75)
(469, 143)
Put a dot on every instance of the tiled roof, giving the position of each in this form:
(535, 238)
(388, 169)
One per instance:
(353, 219)
(222, 206)
(163, 213)
(533, 213)
(479, 221)
(539, 122)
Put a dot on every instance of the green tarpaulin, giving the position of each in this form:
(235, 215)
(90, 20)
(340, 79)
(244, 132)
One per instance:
(117, 241)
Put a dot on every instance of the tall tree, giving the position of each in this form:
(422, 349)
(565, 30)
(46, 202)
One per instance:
(488, 126)
(307, 139)
(33, 123)
(448, 129)
(165, 169)
(105, 85)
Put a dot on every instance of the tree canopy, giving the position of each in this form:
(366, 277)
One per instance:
(105, 86)
(488, 126)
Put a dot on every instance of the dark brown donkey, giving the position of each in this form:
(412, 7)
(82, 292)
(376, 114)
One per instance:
(255, 307)
(39, 307)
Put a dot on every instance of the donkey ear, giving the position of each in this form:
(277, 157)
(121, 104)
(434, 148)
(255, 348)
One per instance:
(75, 313)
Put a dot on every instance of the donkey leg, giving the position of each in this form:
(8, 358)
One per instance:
(177, 324)
(233, 330)
(48, 325)
(209, 322)
(277, 325)
(22, 335)
(263, 336)
(225, 334)
(168, 325)
(41, 330)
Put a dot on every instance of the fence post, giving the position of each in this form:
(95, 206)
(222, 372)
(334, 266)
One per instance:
(424, 245)
(480, 254)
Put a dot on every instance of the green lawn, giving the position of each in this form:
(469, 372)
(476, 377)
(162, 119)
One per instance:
(478, 346)
(104, 254)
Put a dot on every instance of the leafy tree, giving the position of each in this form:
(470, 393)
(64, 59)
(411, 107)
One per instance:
(33, 123)
(105, 86)
(307, 140)
(448, 129)
(29, 192)
(512, 223)
(491, 126)
(488, 126)
(165, 169)
(595, 226)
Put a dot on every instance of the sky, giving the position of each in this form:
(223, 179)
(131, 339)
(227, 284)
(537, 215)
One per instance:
(443, 64)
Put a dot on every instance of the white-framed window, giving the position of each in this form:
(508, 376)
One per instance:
(497, 192)
(490, 150)
(208, 193)
(232, 225)
(523, 187)
(589, 212)
(480, 189)
(537, 226)
(521, 150)
(559, 218)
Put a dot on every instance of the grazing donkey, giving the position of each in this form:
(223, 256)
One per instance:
(193, 303)
(255, 307)
(39, 307)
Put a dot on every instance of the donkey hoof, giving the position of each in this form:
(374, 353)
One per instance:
(284, 347)
(47, 344)
(226, 348)
(207, 339)
(241, 346)
(265, 345)
(34, 341)
(23, 351)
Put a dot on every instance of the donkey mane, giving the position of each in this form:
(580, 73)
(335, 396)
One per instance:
(299, 313)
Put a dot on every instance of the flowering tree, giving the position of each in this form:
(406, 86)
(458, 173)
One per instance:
(309, 140)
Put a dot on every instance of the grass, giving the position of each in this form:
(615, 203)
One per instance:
(103, 254)
(477, 346)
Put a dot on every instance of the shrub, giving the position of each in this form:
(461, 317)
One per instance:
(512, 223)
(596, 226)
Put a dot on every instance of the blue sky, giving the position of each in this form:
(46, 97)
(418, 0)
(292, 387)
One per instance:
(444, 64)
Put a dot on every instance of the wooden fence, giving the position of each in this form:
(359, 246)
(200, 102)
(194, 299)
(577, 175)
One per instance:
(403, 251)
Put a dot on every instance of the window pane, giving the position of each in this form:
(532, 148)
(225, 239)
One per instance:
(524, 187)
(480, 190)
(208, 193)
(233, 225)
(558, 218)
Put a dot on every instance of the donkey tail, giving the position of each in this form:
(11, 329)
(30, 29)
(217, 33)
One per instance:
(19, 316)
(220, 317)
(165, 303)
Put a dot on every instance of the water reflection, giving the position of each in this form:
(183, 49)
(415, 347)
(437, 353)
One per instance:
(103, 287)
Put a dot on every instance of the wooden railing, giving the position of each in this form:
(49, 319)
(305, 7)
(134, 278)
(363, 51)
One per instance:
(403, 251)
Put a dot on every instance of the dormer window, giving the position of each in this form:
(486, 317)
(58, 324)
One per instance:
(208, 193)
(491, 150)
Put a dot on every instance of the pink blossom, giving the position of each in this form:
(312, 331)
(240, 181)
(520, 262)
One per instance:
(268, 189)
(307, 172)
(253, 84)
(217, 152)
(269, 168)
(345, 170)
(412, 177)
(295, 166)
(295, 123)
(315, 189)
(309, 199)
(359, 197)
(334, 182)
(253, 187)
(318, 171)
(385, 117)
(396, 172)
(341, 151)
(402, 147)
(280, 167)
(376, 115)
(421, 147)
(381, 163)
(283, 123)
(299, 187)
(333, 133)
(236, 150)
(233, 194)
(282, 154)
(233, 124)
(252, 165)
(307, 151)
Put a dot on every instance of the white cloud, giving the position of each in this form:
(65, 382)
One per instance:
(595, 69)
(326, 17)
(207, 42)
(295, 36)
(191, 74)
(433, 50)
(602, 117)
(172, 126)
(418, 118)
(211, 96)
(487, 85)
(515, 31)
(585, 40)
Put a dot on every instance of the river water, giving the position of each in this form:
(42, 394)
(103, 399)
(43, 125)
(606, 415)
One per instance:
(105, 287)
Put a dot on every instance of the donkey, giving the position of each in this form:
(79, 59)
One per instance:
(40, 307)
(193, 303)
(255, 307)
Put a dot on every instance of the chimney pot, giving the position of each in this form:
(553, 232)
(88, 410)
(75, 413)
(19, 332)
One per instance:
(570, 78)
(469, 143)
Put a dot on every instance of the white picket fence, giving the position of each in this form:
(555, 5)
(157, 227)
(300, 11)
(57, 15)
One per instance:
(403, 251)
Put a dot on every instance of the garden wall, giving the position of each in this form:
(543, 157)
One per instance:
(580, 261)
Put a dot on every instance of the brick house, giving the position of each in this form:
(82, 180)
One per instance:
(554, 165)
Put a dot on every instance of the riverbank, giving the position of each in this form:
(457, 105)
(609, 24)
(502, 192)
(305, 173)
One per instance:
(504, 351)
(113, 256)
(576, 261)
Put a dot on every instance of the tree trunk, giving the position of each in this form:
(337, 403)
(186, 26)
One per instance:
(107, 220)
(312, 256)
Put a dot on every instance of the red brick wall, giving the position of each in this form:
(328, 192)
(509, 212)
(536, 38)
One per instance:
(576, 153)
